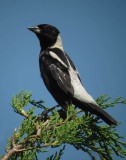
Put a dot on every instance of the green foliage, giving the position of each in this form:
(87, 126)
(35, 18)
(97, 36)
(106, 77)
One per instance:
(57, 155)
(85, 132)
(101, 101)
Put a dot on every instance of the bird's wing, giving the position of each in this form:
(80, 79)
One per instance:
(59, 70)
(73, 66)
(61, 78)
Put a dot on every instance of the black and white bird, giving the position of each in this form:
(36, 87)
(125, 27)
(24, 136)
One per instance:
(60, 74)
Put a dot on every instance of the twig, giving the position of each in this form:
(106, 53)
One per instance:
(11, 152)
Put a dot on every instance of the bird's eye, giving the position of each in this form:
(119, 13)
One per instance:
(46, 29)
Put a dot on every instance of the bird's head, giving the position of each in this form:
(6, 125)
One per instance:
(46, 34)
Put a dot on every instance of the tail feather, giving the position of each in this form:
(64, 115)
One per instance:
(95, 109)
(102, 114)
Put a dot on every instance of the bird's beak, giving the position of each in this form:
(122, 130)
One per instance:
(34, 29)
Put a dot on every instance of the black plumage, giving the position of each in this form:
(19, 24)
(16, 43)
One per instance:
(61, 76)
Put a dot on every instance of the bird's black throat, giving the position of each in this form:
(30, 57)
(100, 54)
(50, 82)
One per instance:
(46, 42)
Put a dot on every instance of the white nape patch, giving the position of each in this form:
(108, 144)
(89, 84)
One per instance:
(53, 55)
(58, 43)
(79, 91)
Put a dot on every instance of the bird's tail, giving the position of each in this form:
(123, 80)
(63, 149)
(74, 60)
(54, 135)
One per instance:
(95, 109)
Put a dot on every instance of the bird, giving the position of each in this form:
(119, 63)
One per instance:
(60, 75)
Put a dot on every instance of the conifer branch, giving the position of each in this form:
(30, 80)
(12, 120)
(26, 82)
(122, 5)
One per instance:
(53, 128)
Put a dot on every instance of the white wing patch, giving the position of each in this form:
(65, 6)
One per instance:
(53, 55)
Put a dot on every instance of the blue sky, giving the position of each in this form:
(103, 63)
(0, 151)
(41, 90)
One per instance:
(93, 35)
